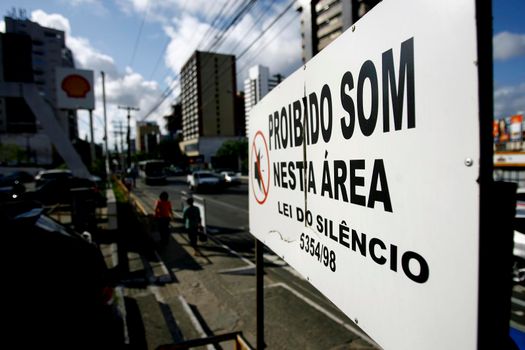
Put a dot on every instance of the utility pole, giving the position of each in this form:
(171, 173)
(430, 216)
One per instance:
(129, 109)
(118, 130)
(105, 123)
(92, 136)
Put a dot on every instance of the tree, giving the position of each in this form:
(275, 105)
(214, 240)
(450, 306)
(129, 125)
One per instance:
(235, 151)
(169, 151)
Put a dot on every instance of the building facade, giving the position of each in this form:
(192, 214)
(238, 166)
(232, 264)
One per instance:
(258, 84)
(148, 136)
(208, 90)
(324, 20)
(29, 54)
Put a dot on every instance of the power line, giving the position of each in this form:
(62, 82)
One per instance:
(279, 16)
(255, 22)
(267, 28)
(139, 35)
(212, 25)
(259, 49)
(238, 16)
(166, 44)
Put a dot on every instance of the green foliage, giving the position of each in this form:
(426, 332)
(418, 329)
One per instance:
(169, 151)
(12, 153)
(120, 196)
(235, 149)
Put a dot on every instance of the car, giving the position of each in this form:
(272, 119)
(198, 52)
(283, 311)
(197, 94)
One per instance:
(46, 175)
(175, 171)
(231, 177)
(11, 186)
(19, 175)
(61, 284)
(63, 190)
(204, 180)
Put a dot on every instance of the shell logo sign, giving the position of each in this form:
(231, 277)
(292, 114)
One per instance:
(75, 89)
(76, 86)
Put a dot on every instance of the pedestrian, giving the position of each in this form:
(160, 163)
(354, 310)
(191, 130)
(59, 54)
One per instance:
(163, 215)
(192, 224)
(133, 174)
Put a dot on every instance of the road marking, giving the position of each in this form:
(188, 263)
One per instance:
(323, 311)
(194, 321)
(231, 251)
(121, 306)
(274, 259)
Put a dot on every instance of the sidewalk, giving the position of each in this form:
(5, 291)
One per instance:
(158, 285)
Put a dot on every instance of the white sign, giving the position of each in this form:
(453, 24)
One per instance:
(363, 169)
(75, 89)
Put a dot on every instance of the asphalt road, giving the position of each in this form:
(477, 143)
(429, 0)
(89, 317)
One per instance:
(296, 315)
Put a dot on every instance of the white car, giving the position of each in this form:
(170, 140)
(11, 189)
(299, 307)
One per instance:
(231, 178)
(203, 179)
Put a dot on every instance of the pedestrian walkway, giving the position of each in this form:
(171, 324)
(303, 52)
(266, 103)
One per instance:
(161, 307)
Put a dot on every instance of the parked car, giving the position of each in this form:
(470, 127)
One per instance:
(11, 186)
(46, 175)
(231, 177)
(62, 190)
(204, 180)
(62, 291)
(19, 175)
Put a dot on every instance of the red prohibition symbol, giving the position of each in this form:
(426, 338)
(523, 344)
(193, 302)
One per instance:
(261, 168)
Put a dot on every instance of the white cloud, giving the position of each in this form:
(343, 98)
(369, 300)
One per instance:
(165, 10)
(509, 100)
(2, 26)
(184, 39)
(122, 88)
(51, 20)
(279, 48)
(508, 45)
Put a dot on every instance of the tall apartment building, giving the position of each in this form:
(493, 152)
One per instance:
(208, 89)
(148, 134)
(30, 53)
(324, 20)
(258, 84)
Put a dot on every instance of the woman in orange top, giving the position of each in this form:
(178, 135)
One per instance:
(163, 214)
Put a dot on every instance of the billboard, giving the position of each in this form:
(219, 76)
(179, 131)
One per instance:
(508, 129)
(75, 89)
(359, 182)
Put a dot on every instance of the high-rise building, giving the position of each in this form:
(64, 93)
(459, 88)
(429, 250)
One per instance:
(258, 84)
(148, 134)
(208, 88)
(30, 53)
(324, 20)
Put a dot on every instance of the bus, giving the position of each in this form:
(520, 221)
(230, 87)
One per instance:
(152, 171)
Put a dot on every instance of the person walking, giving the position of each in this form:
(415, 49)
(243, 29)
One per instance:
(192, 224)
(163, 215)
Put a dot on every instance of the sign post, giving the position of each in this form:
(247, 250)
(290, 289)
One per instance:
(365, 168)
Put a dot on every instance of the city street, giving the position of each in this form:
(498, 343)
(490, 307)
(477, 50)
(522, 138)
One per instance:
(220, 286)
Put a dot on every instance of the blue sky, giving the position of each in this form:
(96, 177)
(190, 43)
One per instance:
(103, 36)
